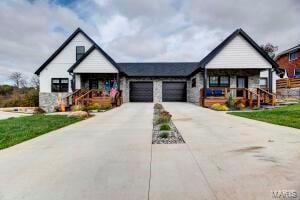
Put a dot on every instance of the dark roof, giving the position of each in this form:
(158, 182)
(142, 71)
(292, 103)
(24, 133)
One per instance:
(242, 33)
(94, 47)
(159, 69)
(78, 30)
(295, 48)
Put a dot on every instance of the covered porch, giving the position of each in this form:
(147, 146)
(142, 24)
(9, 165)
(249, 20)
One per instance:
(102, 89)
(242, 84)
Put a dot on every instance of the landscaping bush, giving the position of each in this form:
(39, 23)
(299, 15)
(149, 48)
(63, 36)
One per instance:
(165, 127)
(39, 110)
(219, 107)
(239, 105)
(158, 106)
(105, 107)
(230, 101)
(79, 108)
(164, 134)
(94, 106)
(164, 117)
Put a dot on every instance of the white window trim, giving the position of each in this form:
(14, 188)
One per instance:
(295, 72)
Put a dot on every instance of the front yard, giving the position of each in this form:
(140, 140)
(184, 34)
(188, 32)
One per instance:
(285, 116)
(17, 130)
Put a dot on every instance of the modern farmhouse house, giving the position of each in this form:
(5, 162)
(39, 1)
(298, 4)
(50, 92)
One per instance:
(79, 68)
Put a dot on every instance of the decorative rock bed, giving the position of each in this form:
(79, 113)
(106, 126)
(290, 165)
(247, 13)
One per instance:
(174, 137)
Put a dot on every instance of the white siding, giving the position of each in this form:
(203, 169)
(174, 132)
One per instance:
(95, 62)
(58, 67)
(238, 54)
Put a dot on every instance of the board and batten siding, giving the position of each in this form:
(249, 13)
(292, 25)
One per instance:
(58, 67)
(95, 62)
(238, 54)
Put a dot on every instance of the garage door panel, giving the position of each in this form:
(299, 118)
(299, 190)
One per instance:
(174, 91)
(141, 91)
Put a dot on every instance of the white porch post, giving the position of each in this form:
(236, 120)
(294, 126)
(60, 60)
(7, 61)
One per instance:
(77, 81)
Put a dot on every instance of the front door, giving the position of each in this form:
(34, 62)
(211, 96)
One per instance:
(93, 84)
(242, 82)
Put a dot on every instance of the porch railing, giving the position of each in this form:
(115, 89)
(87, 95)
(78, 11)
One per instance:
(250, 96)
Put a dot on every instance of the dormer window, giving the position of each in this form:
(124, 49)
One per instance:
(80, 50)
(293, 56)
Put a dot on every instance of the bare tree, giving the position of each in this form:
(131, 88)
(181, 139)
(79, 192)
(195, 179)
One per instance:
(18, 79)
(270, 49)
(35, 82)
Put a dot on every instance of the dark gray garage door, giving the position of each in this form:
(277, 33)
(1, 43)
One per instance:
(141, 91)
(174, 91)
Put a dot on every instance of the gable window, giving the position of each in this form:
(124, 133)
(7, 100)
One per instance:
(293, 56)
(219, 81)
(297, 72)
(60, 84)
(193, 82)
(80, 50)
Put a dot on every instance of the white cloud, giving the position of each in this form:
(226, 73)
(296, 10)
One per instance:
(139, 30)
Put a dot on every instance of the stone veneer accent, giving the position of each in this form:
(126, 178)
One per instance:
(48, 101)
(193, 93)
(288, 93)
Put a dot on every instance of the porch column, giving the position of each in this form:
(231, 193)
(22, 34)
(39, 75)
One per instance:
(204, 86)
(77, 81)
(118, 81)
(270, 80)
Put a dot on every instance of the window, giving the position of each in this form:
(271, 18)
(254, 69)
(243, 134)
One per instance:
(60, 85)
(224, 81)
(213, 81)
(293, 56)
(297, 72)
(79, 52)
(263, 82)
(219, 81)
(193, 82)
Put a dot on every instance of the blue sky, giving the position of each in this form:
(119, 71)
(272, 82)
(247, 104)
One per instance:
(138, 30)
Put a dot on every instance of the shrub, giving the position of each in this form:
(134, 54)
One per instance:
(31, 98)
(39, 110)
(158, 106)
(94, 106)
(219, 107)
(239, 105)
(79, 108)
(164, 117)
(164, 135)
(165, 127)
(105, 107)
(230, 101)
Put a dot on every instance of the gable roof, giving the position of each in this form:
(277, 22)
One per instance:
(70, 38)
(94, 47)
(295, 48)
(221, 46)
(159, 69)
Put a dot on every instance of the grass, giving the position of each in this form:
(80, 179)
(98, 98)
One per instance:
(16, 130)
(285, 116)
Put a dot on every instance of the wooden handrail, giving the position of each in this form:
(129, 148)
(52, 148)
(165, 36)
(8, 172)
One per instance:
(266, 94)
(84, 95)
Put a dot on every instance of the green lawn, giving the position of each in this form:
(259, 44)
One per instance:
(17, 130)
(285, 116)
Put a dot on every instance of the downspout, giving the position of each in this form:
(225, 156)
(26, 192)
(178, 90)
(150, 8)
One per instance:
(204, 85)
(270, 80)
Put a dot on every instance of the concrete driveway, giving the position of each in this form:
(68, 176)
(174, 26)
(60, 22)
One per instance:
(6, 115)
(110, 156)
